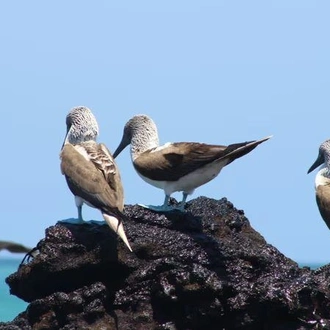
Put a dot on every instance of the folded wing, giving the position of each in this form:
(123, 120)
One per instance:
(95, 179)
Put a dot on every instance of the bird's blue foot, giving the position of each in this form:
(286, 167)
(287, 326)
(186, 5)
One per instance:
(72, 221)
(180, 207)
(160, 208)
(97, 222)
(75, 221)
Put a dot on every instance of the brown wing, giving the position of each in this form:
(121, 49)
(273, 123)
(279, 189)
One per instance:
(13, 247)
(96, 180)
(103, 160)
(179, 159)
(323, 202)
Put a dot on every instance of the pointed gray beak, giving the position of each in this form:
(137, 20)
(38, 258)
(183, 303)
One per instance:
(66, 137)
(122, 145)
(319, 161)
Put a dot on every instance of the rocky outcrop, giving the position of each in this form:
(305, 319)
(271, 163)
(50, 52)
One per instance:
(206, 268)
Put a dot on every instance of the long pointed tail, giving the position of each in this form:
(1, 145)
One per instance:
(238, 150)
(117, 227)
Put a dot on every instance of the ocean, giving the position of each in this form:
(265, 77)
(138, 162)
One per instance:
(11, 306)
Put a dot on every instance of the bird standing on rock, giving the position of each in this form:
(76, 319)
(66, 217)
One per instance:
(181, 166)
(91, 172)
(322, 181)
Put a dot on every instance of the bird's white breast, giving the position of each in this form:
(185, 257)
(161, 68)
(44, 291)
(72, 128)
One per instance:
(321, 178)
(190, 181)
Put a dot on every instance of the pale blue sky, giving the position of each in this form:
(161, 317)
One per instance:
(208, 71)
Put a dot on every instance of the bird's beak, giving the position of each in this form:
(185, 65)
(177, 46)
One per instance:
(66, 137)
(122, 145)
(319, 161)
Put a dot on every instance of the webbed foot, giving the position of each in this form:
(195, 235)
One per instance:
(75, 221)
(160, 208)
(180, 207)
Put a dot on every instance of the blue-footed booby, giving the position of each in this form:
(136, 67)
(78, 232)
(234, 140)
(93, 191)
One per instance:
(322, 181)
(91, 172)
(181, 166)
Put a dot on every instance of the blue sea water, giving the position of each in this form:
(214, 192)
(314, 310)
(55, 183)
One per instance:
(11, 306)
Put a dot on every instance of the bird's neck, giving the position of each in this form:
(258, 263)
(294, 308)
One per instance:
(145, 140)
(77, 135)
(323, 176)
(81, 139)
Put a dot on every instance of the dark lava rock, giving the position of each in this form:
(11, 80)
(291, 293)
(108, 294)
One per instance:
(206, 268)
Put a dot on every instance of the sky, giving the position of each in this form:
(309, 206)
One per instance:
(217, 72)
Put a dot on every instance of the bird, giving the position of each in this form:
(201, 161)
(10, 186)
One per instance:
(91, 172)
(179, 166)
(322, 181)
(13, 247)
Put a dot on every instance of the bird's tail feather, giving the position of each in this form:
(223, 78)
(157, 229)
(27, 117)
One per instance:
(238, 150)
(117, 226)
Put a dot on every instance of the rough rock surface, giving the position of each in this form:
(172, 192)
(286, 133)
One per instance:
(206, 268)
